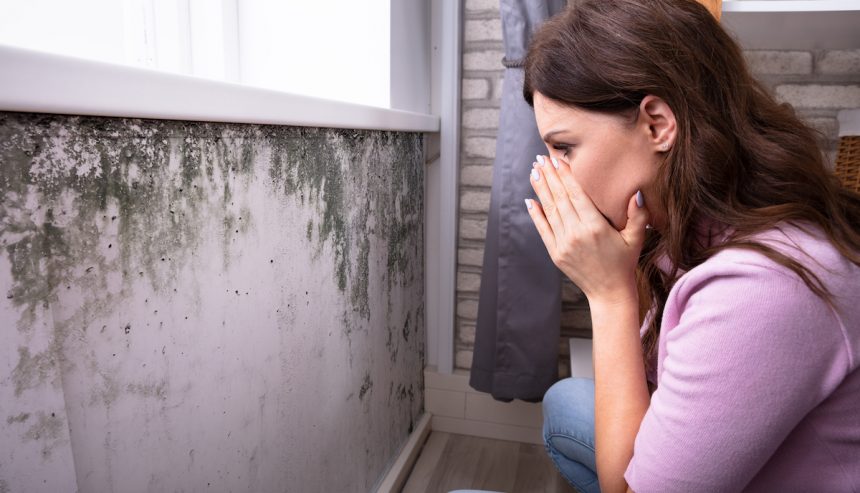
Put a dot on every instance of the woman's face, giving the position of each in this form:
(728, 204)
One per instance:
(610, 157)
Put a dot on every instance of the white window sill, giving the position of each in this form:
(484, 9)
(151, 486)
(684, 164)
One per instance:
(790, 5)
(41, 82)
(794, 24)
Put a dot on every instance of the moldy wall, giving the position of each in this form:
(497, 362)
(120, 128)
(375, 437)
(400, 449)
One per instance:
(193, 305)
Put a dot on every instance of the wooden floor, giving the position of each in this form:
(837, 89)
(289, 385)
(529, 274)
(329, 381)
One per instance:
(449, 461)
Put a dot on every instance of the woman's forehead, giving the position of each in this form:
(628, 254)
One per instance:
(556, 120)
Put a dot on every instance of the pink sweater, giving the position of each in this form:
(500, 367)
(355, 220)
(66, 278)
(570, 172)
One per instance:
(758, 380)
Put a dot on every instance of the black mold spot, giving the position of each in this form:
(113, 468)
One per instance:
(155, 390)
(406, 327)
(367, 187)
(365, 386)
(110, 164)
(33, 370)
(47, 429)
(390, 345)
(19, 418)
(353, 176)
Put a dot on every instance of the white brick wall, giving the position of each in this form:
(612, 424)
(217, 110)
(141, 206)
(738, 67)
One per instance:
(480, 147)
(840, 62)
(475, 201)
(472, 257)
(818, 96)
(475, 89)
(472, 229)
(481, 176)
(779, 62)
(818, 83)
(483, 30)
(483, 59)
(481, 118)
(473, 6)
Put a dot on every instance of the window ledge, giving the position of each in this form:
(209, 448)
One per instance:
(794, 25)
(790, 5)
(40, 82)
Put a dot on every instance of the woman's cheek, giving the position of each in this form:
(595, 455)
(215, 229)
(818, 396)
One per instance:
(597, 187)
(608, 201)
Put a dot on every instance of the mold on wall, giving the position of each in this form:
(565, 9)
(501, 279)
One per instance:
(192, 305)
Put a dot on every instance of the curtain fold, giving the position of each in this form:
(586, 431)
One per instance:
(519, 307)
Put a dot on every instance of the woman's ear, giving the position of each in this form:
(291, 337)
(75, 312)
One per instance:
(659, 120)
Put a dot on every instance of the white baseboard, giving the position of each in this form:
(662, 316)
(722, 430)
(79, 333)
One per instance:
(458, 408)
(452, 406)
(397, 475)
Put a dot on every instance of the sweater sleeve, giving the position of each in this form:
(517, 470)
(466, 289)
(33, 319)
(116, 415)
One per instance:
(751, 352)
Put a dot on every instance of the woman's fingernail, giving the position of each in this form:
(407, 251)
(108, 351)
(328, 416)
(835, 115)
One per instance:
(640, 200)
(540, 159)
(555, 163)
(535, 174)
(529, 203)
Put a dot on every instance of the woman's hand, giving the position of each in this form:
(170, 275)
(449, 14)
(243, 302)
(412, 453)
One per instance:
(600, 260)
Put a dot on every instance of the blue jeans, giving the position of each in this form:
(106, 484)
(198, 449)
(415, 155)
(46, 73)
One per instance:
(568, 431)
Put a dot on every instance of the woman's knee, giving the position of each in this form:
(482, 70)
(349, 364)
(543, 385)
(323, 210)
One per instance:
(570, 399)
(568, 428)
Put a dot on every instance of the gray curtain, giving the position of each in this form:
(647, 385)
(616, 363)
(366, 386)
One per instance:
(519, 307)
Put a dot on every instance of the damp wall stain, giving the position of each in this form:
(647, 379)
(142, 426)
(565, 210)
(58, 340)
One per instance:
(159, 277)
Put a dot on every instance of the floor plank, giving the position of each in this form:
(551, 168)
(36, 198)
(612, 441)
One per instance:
(427, 462)
(449, 461)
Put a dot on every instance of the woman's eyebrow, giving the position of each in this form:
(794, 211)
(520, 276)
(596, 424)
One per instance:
(546, 137)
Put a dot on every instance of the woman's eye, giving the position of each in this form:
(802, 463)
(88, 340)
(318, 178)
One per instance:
(562, 148)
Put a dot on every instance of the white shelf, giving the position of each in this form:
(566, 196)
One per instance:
(48, 83)
(791, 5)
(793, 24)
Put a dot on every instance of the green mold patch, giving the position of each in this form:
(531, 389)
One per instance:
(94, 204)
(365, 184)
(47, 429)
(19, 418)
(33, 369)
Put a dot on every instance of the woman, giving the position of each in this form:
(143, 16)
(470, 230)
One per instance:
(720, 258)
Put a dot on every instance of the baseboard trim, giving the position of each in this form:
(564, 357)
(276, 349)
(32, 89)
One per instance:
(458, 408)
(452, 406)
(397, 475)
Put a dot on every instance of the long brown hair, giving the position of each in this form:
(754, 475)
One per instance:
(740, 158)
